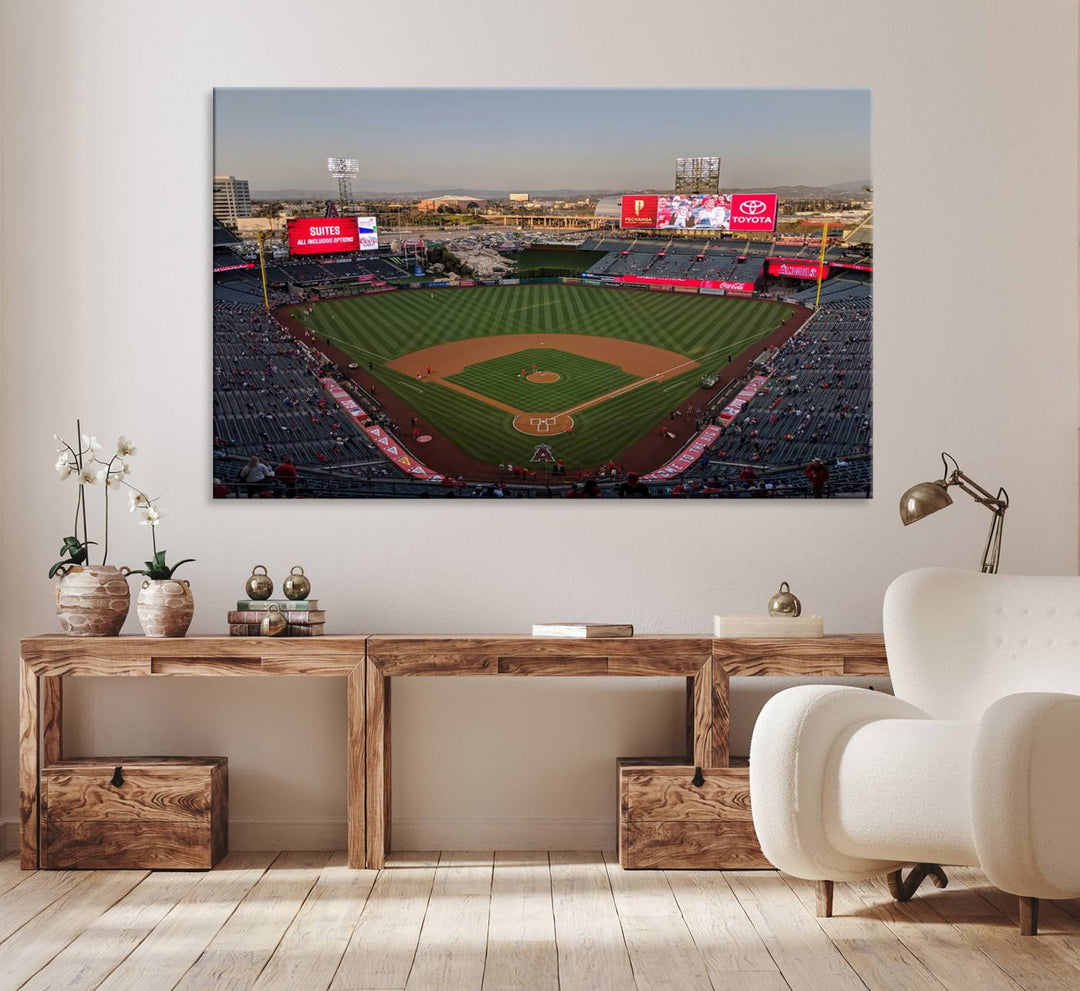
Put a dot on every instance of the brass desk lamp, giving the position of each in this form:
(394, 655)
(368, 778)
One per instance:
(928, 497)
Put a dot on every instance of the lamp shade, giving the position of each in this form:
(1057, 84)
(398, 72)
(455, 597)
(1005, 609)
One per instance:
(922, 500)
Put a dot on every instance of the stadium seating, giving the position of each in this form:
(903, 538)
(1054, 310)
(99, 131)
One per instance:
(268, 401)
(817, 402)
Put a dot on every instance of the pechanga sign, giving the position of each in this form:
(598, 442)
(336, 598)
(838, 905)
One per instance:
(737, 212)
(639, 211)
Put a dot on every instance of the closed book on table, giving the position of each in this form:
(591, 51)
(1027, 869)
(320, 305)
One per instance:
(582, 630)
(285, 605)
(291, 630)
(146, 813)
(734, 627)
(300, 617)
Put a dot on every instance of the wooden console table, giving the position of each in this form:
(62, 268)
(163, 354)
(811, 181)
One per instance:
(369, 662)
(46, 661)
(706, 664)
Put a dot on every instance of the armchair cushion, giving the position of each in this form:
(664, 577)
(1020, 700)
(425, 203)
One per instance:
(791, 758)
(900, 789)
(1026, 794)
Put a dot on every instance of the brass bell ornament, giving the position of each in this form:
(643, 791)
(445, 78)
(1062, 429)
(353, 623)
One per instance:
(296, 585)
(274, 622)
(785, 602)
(259, 585)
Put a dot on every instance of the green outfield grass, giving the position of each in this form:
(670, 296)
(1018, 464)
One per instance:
(384, 326)
(581, 379)
(570, 259)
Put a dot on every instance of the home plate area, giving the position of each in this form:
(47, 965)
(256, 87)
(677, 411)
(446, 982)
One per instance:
(541, 425)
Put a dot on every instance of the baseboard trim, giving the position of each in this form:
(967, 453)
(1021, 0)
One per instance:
(9, 836)
(484, 833)
(493, 833)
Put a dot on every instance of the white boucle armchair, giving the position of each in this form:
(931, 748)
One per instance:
(975, 761)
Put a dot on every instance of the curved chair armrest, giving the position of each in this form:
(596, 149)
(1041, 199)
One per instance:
(1026, 794)
(789, 752)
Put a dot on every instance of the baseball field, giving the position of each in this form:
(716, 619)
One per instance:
(496, 371)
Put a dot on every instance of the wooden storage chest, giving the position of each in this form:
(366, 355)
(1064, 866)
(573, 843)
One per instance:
(162, 813)
(666, 820)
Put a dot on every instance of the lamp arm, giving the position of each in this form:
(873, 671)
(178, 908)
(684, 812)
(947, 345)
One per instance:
(992, 551)
(998, 503)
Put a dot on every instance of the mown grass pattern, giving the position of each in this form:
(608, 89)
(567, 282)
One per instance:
(384, 326)
(581, 379)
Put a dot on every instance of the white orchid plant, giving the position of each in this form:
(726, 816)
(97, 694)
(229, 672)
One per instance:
(84, 462)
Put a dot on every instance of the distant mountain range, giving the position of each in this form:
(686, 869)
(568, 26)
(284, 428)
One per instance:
(795, 192)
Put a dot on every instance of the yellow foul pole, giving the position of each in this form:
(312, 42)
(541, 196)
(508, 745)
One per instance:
(821, 265)
(259, 235)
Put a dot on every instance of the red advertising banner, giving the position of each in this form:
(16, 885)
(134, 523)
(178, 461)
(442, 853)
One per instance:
(387, 443)
(687, 457)
(229, 268)
(753, 211)
(694, 283)
(857, 268)
(797, 268)
(319, 235)
(639, 211)
(736, 406)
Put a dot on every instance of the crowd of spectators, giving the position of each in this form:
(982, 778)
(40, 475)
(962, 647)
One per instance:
(272, 418)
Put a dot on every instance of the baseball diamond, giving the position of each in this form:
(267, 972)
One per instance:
(593, 371)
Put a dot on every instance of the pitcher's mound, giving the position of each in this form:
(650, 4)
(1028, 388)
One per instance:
(543, 377)
(539, 425)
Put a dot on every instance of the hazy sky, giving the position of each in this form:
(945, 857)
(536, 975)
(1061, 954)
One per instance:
(531, 139)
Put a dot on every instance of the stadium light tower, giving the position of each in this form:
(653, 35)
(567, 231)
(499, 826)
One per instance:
(344, 170)
(700, 174)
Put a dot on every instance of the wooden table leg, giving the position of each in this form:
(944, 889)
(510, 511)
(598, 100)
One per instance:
(721, 715)
(356, 816)
(710, 715)
(377, 691)
(29, 776)
(690, 736)
(52, 719)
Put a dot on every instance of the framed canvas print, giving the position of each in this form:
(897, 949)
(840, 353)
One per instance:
(542, 294)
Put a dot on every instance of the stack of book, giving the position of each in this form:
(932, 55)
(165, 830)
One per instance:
(303, 617)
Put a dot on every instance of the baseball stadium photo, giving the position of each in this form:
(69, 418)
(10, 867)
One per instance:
(456, 312)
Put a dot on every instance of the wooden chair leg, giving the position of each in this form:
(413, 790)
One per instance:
(902, 888)
(824, 897)
(1029, 916)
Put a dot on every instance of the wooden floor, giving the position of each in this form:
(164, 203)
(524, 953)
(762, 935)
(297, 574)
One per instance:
(537, 921)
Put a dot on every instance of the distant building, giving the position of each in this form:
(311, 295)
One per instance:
(232, 199)
(519, 197)
(248, 225)
(460, 204)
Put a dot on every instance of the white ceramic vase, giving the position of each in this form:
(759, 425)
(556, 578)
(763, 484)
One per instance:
(165, 607)
(93, 600)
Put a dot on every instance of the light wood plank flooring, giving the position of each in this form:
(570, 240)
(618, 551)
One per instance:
(506, 920)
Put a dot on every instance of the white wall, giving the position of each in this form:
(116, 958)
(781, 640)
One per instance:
(106, 147)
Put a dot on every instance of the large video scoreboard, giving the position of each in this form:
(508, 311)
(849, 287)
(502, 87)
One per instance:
(323, 235)
(738, 212)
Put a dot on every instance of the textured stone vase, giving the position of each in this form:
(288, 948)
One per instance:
(165, 607)
(93, 600)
